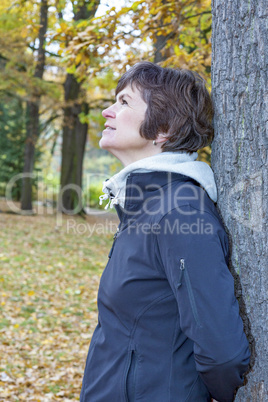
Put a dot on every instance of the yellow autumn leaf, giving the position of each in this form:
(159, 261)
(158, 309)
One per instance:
(24, 32)
(78, 58)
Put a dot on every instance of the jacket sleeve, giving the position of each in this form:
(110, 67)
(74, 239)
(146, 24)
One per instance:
(192, 248)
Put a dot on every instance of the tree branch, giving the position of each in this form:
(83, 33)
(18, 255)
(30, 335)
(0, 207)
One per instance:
(46, 51)
(48, 121)
(196, 15)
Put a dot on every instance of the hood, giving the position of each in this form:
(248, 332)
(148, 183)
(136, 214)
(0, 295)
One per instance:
(174, 162)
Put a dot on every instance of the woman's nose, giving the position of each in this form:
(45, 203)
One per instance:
(108, 112)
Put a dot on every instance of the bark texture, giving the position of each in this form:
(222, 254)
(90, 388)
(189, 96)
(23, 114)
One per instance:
(33, 129)
(239, 160)
(74, 132)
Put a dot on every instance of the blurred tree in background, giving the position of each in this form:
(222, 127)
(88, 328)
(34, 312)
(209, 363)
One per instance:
(74, 130)
(33, 107)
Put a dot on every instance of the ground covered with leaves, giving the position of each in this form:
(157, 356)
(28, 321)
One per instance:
(49, 275)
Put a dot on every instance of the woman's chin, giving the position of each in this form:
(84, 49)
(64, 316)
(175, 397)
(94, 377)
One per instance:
(103, 143)
(106, 139)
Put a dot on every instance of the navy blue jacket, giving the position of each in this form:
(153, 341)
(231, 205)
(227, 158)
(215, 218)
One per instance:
(169, 328)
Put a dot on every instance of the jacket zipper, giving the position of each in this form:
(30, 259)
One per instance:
(130, 361)
(184, 272)
(114, 237)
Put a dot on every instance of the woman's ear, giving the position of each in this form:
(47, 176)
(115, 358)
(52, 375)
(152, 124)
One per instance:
(161, 138)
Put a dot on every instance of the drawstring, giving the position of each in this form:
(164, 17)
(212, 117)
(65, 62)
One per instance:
(102, 198)
(113, 200)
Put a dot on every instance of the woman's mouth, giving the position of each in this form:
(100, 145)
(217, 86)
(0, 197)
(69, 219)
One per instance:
(109, 128)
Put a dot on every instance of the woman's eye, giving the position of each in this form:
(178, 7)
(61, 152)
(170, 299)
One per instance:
(124, 102)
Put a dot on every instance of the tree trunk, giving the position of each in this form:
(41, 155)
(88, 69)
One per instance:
(73, 148)
(74, 132)
(161, 52)
(32, 124)
(239, 160)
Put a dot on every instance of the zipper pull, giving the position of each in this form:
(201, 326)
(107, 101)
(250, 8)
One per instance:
(116, 233)
(182, 268)
(114, 237)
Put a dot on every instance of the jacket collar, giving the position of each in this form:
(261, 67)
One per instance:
(176, 162)
(142, 186)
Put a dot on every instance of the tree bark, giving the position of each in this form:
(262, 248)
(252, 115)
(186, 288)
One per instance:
(32, 124)
(74, 132)
(239, 160)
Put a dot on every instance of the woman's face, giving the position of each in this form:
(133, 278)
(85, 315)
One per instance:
(121, 136)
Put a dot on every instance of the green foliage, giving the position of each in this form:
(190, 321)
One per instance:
(12, 144)
(12, 140)
(91, 195)
(100, 165)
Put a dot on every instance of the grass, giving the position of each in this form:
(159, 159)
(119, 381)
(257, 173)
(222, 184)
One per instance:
(49, 276)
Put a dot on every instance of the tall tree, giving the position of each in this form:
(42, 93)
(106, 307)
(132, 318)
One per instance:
(239, 159)
(74, 131)
(33, 129)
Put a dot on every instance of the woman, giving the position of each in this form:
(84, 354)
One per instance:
(169, 328)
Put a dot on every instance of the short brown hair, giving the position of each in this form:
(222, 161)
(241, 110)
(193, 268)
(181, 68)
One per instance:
(178, 104)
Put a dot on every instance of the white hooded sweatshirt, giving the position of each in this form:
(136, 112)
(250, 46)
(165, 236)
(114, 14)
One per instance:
(174, 162)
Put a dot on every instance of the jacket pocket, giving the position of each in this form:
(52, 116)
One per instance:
(184, 273)
(130, 376)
